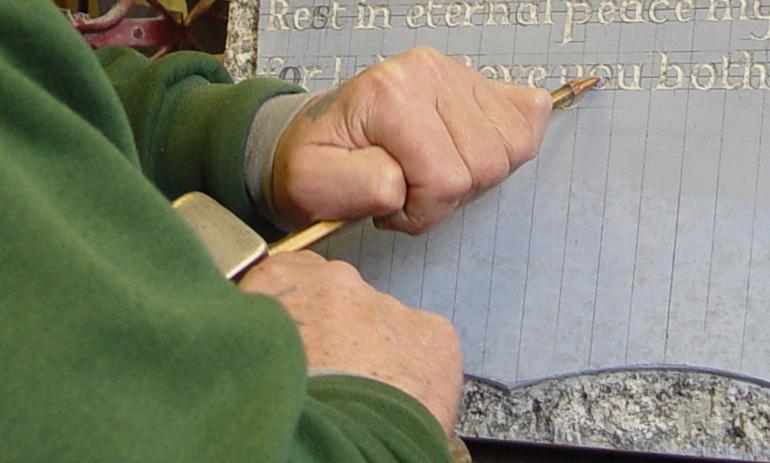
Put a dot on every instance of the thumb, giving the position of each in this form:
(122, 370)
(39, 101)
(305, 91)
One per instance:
(334, 183)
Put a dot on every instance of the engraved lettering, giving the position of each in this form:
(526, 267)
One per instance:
(654, 18)
(276, 20)
(711, 76)
(368, 15)
(665, 69)
(570, 20)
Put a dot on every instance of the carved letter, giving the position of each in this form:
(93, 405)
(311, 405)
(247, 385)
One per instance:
(758, 15)
(505, 14)
(749, 66)
(415, 12)
(637, 7)
(728, 7)
(308, 72)
(603, 72)
(665, 67)
(432, 6)
(277, 17)
(566, 75)
(488, 71)
(471, 10)
(505, 72)
(654, 18)
(636, 82)
(727, 65)
(337, 71)
(367, 16)
(607, 7)
(272, 67)
(454, 11)
(526, 14)
(537, 75)
(548, 12)
(336, 9)
(684, 7)
(570, 21)
(696, 74)
(301, 18)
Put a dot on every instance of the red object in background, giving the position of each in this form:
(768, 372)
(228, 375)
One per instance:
(113, 28)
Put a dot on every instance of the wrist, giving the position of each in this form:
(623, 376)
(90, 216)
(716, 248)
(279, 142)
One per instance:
(266, 130)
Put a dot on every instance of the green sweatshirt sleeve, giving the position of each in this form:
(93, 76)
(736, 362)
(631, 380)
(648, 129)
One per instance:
(119, 340)
(190, 123)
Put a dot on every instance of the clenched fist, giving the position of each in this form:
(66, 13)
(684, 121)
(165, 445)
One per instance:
(406, 141)
(347, 326)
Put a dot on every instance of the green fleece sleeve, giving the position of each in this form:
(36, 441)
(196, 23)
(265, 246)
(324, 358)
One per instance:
(190, 123)
(119, 339)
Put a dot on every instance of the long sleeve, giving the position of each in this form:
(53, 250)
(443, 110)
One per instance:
(119, 340)
(190, 123)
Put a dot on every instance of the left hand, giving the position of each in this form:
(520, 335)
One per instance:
(407, 141)
(349, 327)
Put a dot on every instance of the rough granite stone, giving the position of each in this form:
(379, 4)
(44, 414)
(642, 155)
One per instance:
(652, 410)
(241, 46)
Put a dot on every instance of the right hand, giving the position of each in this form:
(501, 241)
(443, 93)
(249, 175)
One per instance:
(348, 326)
(407, 142)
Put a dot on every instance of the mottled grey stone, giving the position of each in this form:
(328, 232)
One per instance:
(652, 410)
(241, 46)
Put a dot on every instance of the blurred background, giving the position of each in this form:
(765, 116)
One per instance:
(155, 27)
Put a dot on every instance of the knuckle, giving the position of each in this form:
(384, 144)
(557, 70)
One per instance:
(343, 272)
(307, 255)
(392, 304)
(421, 223)
(443, 327)
(418, 227)
(442, 323)
(425, 54)
(432, 60)
(382, 80)
(279, 261)
(287, 262)
(379, 78)
(453, 186)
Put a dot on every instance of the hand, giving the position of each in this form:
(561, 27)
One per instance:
(346, 325)
(406, 141)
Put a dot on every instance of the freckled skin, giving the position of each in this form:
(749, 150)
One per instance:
(348, 326)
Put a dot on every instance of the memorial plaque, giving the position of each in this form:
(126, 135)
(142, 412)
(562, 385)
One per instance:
(615, 292)
(641, 237)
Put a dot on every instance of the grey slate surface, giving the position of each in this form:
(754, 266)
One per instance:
(639, 236)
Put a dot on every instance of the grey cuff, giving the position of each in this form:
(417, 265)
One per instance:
(266, 129)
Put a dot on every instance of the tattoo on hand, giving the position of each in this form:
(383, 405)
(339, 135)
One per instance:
(321, 105)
